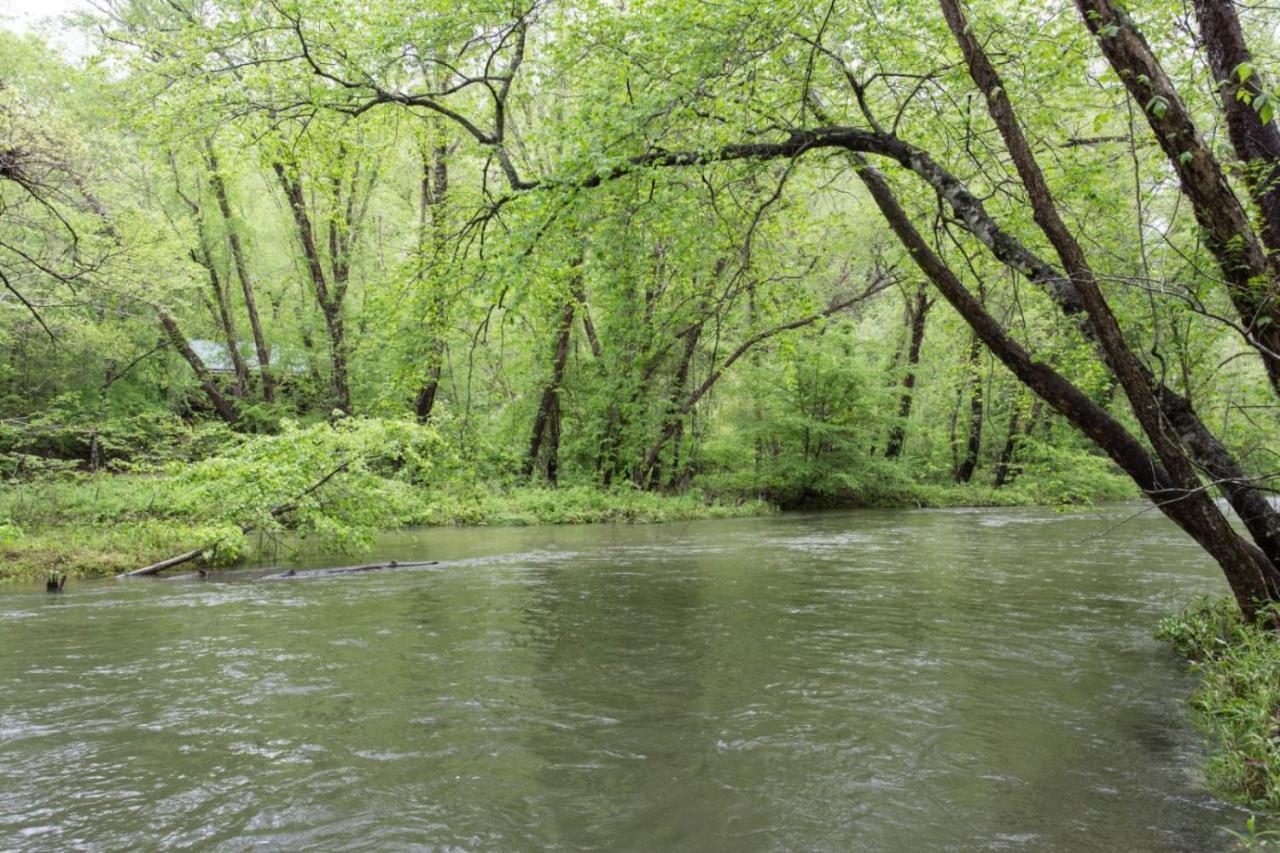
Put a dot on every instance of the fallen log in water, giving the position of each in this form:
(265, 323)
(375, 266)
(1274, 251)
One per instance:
(156, 568)
(293, 574)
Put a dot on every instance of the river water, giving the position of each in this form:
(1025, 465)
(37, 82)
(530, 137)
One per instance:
(872, 680)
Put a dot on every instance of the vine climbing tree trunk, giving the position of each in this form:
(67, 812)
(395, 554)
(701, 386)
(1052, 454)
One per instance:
(673, 420)
(227, 320)
(1019, 431)
(433, 192)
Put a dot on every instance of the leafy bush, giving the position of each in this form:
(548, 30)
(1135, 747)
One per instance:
(340, 482)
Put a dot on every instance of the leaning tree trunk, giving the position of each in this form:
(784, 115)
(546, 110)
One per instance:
(1240, 489)
(1245, 567)
(1240, 82)
(220, 403)
(1229, 235)
(1200, 515)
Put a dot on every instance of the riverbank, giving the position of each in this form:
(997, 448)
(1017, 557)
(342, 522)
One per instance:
(97, 525)
(1237, 700)
(108, 524)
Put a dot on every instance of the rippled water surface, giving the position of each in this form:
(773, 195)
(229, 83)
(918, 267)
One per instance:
(910, 680)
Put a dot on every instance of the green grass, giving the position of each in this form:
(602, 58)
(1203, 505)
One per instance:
(88, 550)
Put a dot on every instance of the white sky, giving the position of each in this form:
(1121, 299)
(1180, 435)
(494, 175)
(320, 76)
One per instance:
(41, 17)
(28, 15)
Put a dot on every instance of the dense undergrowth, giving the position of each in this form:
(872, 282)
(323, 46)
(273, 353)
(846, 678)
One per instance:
(163, 488)
(50, 538)
(1237, 700)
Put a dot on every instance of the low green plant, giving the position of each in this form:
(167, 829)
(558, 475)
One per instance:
(10, 533)
(1237, 701)
(1254, 837)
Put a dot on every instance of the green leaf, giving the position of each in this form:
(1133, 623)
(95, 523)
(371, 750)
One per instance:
(1264, 104)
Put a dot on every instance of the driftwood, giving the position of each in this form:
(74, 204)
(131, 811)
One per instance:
(156, 568)
(293, 574)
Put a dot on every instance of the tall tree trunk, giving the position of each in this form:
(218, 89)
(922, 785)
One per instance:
(918, 312)
(973, 385)
(220, 403)
(329, 300)
(546, 423)
(433, 192)
(242, 272)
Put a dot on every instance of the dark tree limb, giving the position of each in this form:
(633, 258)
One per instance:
(220, 403)
(1253, 280)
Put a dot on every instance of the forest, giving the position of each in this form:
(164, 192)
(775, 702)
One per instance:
(279, 275)
(262, 262)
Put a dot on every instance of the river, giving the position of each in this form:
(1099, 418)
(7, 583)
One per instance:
(869, 680)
